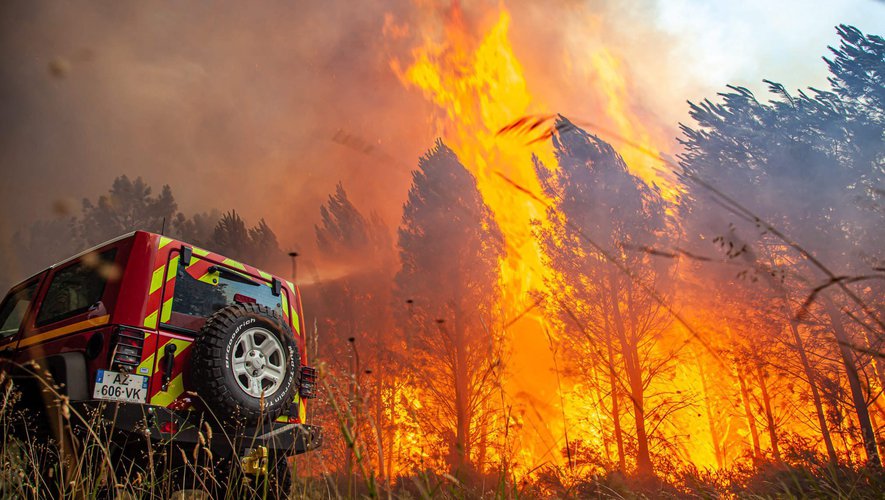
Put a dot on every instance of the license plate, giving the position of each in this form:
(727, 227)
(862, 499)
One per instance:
(114, 386)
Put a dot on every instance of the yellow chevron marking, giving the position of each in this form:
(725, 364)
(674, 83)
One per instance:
(148, 363)
(164, 241)
(211, 278)
(166, 311)
(180, 344)
(58, 332)
(265, 275)
(157, 279)
(296, 322)
(200, 252)
(295, 319)
(172, 270)
(175, 389)
(302, 411)
(234, 264)
(151, 320)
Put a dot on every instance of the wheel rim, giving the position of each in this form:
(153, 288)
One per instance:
(259, 362)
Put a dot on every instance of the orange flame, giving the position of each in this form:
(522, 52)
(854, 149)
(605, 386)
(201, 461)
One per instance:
(478, 87)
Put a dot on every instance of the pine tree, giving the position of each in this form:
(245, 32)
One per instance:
(256, 245)
(230, 236)
(600, 219)
(128, 206)
(809, 165)
(344, 229)
(197, 229)
(450, 247)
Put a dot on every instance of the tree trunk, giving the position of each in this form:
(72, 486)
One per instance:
(711, 420)
(815, 393)
(391, 432)
(857, 395)
(461, 452)
(748, 412)
(879, 369)
(379, 418)
(616, 407)
(615, 392)
(597, 387)
(351, 396)
(769, 416)
(634, 377)
(483, 440)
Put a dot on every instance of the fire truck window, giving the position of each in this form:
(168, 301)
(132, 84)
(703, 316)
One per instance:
(74, 289)
(196, 300)
(12, 312)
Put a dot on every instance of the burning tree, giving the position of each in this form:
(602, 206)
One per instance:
(601, 290)
(807, 171)
(450, 248)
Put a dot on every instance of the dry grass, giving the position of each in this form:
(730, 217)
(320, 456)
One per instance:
(85, 458)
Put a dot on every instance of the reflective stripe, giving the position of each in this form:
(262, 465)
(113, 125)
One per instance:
(148, 363)
(296, 322)
(58, 332)
(234, 264)
(157, 279)
(164, 241)
(166, 311)
(284, 304)
(175, 389)
(151, 320)
(180, 346)
(172, 270)
(302, 410)
(209, 277)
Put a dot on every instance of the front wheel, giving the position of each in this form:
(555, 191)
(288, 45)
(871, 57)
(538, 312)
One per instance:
(245, 363)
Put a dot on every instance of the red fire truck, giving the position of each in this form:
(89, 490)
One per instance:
(161, 337)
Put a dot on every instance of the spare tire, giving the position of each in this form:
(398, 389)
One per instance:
(245, 354)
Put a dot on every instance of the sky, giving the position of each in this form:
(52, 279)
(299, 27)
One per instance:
(738, 42)
(239, 106)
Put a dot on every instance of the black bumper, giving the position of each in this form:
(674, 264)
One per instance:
(184, 427)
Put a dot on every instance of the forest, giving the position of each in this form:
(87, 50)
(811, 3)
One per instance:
(715, 330)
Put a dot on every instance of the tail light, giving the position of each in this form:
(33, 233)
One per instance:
(169, 427)
(128, 345)
(308, 382)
